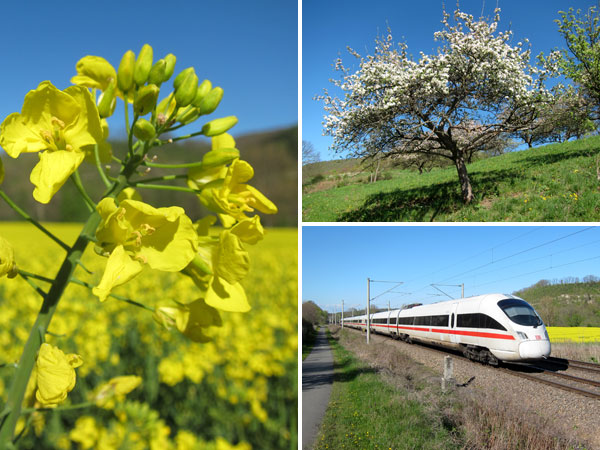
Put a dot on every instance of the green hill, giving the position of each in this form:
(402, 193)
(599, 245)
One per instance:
(273, 154)
(566, 304)
(557, 182)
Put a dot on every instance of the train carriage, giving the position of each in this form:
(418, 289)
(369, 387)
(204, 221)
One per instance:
(487, 328)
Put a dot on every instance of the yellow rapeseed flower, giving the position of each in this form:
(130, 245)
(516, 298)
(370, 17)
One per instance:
(190, 319)
(63, 125)
(115, 388)
(55, 375)
(8, 266)
(134, 234)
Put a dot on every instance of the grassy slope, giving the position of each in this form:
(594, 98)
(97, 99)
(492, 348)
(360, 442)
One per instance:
(564, 305)
(556, 182)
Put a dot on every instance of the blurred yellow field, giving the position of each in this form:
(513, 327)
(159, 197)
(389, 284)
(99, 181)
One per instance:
(237, 391)
(574, 334)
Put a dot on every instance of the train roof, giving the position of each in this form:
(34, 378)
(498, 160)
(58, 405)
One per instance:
(422, 309)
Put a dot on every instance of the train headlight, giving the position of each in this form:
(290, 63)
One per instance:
(522, 335)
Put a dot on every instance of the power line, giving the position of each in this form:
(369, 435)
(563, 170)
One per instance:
(537, 271)
(518, 253)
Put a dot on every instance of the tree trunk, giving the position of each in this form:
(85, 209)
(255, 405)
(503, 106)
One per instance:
(463, 177)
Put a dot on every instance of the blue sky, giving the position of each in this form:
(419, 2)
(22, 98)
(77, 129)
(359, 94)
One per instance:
(329, 27)
(250, 49)
(337, 260)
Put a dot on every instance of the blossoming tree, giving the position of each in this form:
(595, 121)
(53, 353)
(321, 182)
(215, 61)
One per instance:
(395, 105)
(69, 127)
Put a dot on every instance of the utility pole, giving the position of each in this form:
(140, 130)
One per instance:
(368, 310)
(342, 314)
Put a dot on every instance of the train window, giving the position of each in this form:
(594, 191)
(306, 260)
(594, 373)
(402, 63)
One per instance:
(520, 312)
(467, 321)
(489, 322)
(439, 321)
(392, 321)
(423, 320)
(452, 321)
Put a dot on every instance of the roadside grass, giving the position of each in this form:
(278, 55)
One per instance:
(584, 351)
(557, 182)
(390, 401)
(365, 412)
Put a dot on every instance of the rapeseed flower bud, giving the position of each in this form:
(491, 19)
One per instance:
(143, 130)
(182, 76)
(220, 157)
(8, 266)
(145, 99)
(203, 89)
(55, 375)
(143, 65)
(188, 115)
(94, 72)
(157, 73)
(125, 73)
(219, 126)
(170, 60)
(107, 101)
(186, 90)
(211, 100)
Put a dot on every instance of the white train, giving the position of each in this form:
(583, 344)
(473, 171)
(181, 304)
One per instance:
(487, 328)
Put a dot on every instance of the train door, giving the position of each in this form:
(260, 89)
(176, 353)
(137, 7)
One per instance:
(453, 336)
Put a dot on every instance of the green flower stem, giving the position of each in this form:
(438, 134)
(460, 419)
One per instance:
(172, 166)
(33, 285)
(105, 180)
(126, 101)
(180, 138)
(115, 296)
(88, 201)
(130, 135)
(164, 178)
(160, 187)
(60, 408)
(27, 361)
(30, 219)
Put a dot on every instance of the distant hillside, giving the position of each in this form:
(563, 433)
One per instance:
(273, 154)
(557, 182)
(566, 304)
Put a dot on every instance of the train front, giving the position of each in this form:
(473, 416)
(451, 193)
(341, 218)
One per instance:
(529, 328)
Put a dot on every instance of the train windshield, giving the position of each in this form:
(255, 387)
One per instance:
(520, 312)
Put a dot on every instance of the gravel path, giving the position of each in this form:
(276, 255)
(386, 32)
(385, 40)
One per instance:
(574, 414)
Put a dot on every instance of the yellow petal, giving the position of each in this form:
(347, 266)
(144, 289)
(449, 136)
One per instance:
(231, 261)
(120, 268)
(7, 259)
(249, 231)
(52, 171)
(222, 141)
(227, 297)
(17, 138)
(260, 202)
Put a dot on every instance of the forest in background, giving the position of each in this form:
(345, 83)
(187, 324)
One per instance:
(272, 154)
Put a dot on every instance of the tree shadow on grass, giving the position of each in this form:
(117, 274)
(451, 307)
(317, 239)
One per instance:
(425, 203)
(533, 159)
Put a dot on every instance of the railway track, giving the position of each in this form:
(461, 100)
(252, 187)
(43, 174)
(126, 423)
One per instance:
(540, 374)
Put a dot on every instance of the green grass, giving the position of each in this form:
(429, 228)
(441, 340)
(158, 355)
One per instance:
(557, 182)
(308, 342)
(366, 413)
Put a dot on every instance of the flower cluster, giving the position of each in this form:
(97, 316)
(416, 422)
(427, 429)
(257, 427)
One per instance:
(69, 127)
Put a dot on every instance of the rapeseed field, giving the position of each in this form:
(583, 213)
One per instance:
(238, 391)
(574, 334)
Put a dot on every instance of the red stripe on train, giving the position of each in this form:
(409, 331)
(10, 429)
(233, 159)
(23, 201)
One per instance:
(449, 331)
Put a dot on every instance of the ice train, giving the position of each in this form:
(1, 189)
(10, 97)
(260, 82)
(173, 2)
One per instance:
(487, 328)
